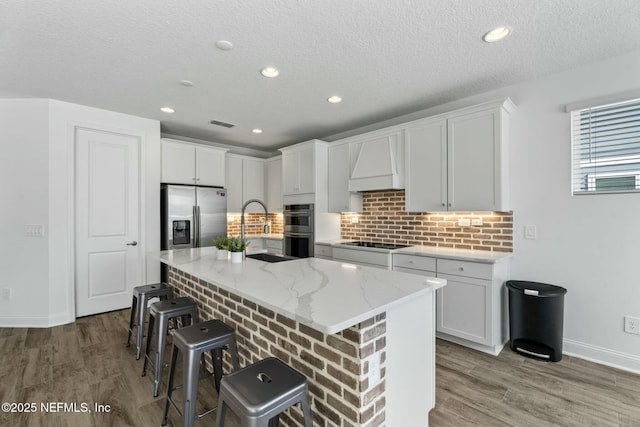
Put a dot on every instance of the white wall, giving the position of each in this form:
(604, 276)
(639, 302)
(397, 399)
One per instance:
(587, 244)
(37, 172)
(24, 199)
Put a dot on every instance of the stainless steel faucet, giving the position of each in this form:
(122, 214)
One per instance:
(266, 216)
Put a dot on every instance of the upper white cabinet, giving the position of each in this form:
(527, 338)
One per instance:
(245, 181)
(273, 175)
(298, 170)
(340, 198)
(304, 174)
(186, 163)
(458, 161)
(377, 160)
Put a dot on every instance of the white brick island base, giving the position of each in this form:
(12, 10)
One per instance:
(372, 366)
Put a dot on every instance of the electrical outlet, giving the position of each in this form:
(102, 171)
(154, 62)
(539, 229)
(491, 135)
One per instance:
(34, 230)
(6, 294)
(476, 221)
(530, 232)
(632, 325)
(374, 369)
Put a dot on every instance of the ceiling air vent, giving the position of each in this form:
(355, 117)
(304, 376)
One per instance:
(223, 124)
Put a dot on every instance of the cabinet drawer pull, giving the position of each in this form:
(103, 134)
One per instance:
(461, 268)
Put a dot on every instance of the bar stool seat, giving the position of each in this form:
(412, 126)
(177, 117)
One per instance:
(139, 302)
(162, 312)
(194, 341)
(259, 392)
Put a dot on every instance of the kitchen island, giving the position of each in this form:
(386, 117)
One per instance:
(364, 338)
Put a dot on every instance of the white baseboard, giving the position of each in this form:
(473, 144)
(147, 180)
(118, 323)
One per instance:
(61, 319)
(24, 321)
(492, 350)
(35, 321)
(601, 355)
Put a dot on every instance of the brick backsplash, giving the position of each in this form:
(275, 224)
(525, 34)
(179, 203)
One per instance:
(233, 223)
(384, 220)
(336, 366)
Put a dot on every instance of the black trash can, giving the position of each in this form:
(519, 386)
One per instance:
(536, 313)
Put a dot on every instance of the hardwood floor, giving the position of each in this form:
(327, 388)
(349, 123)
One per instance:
(87, 362)
(476, 389)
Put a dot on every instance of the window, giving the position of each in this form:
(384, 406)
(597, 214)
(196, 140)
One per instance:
(606, 148)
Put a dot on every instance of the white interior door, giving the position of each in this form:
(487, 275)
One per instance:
(108, 259)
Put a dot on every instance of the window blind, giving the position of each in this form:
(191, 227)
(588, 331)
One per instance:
(606, 148)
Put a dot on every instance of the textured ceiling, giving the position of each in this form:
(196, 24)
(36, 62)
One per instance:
(384, 57)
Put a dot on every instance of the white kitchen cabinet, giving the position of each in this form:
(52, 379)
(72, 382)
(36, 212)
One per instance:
(363, 257)
(298, 171)
(273, 245)
(471, 309)
(186, 163)
(274, 183)
(458, 161)
(323, 251)
(304, 174)
(245, 181)
(255, 242)
(340, 198)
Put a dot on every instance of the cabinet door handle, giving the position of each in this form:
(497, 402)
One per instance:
(134, 243)
(443, 204)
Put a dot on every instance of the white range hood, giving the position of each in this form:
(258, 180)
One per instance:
(379, 164)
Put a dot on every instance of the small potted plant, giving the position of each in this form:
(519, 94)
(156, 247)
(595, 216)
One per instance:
(222, 244)
(237, 245)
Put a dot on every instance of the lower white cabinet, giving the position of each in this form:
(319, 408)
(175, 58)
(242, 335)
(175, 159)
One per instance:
(323, 251)
(472, 308)
(363, 257)
(255, 242)
(273, 245)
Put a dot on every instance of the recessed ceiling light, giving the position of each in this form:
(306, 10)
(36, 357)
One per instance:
(167, 110)
(496, 34)
(270, 72)
(187, 83)
(334, 99)
(257, 131)
(224, 45)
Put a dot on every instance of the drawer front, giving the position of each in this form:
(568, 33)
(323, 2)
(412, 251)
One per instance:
(363, 257)
(465, 268)
(323, 251)
(414, 261)
(255, 242)
(273, 244)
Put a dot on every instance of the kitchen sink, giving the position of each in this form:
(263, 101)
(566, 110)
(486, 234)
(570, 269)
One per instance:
(270, 257)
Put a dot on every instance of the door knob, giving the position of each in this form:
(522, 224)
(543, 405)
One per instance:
(134, 243)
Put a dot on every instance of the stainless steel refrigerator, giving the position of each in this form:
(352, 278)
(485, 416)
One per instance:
(191, 217)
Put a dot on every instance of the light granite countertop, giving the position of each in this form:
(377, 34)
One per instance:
(328, 296)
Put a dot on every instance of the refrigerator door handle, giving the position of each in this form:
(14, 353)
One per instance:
(196, 226)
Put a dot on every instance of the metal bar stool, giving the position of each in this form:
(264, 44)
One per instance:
(141, 297)
(259, 392)
(162, 312)
(194, 341)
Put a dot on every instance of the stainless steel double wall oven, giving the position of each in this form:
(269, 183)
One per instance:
(298, 230)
